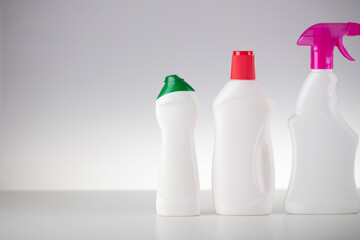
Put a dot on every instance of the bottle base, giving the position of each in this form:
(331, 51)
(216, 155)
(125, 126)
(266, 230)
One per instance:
(178, 208)
(249, 209)
(243, 213)
(348, 207)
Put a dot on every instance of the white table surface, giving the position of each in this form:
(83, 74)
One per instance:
(131, 215)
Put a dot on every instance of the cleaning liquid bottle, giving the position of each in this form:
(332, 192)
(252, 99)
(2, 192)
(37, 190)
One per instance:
(243, 171)
(177, 109)
(324, 146)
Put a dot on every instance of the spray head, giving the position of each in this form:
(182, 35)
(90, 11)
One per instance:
(323, 37)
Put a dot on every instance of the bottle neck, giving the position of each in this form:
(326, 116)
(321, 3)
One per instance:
(321, 58)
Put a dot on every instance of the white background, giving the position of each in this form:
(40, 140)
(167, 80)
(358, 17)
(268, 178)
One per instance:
(79, 81)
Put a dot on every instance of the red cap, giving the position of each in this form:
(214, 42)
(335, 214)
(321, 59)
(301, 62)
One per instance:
(243, 65)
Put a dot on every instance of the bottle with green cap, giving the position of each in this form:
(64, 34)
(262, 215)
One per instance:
(177, 109)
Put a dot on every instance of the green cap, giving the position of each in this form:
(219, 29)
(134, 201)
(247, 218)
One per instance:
(174, 84)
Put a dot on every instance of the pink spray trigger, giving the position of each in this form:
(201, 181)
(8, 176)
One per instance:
(323, 37)
(343, 50)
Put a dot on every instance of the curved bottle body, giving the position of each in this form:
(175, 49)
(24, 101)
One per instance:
(243, 172)
(324, 148)
(178, 191)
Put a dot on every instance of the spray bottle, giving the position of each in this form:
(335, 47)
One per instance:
(324, 145)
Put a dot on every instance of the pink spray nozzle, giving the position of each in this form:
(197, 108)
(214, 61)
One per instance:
(323, 37)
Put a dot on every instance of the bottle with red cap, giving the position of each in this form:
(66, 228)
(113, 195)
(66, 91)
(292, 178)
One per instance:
(324, 145)
(243, 171)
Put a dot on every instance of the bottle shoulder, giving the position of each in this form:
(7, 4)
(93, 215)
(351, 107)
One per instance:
(178, 98)
(322, 74)
(240, 91)
(177, 111)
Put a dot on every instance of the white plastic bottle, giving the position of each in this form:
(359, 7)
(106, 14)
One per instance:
(324, 146)
(243, 171)
(177, 108)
